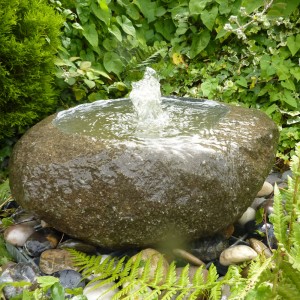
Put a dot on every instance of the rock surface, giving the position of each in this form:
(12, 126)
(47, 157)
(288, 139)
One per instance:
(121, 194)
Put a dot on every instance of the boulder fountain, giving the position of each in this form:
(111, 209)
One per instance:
(121, 173)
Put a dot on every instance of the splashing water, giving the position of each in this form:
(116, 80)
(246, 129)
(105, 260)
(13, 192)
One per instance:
(146, 99)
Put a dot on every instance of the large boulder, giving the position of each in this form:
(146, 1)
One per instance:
(117, 194)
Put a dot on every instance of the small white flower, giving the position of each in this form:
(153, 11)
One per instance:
(233, 19)
(228, 27)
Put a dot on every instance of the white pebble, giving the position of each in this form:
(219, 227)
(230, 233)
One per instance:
(248, 215)
(236, 254)
(266, 190)
(97, 293)
(18, 234)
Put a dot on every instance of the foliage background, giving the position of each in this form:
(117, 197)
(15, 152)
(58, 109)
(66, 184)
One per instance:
(236, 51)
(108, 43)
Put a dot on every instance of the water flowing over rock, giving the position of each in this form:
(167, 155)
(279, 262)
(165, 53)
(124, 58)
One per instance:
(124, 190)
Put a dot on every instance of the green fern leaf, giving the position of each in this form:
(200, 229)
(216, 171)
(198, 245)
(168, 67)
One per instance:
(171, 278)
(278, 219)
(159, 272)
(212, 275)
(183, 279)
(198, 277)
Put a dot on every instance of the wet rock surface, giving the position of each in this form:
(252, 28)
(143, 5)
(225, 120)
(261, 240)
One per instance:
(125, 194)
(57, 262)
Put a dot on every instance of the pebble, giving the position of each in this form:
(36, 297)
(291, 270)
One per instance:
(18, 234)
(286, 174)
(97, 293)
(155, 257)
(237, 254)
(40, 241)
(260, 247)
(70, 279)
(247, 216)
(188, 257)
(266, 190)
(210, 248)
(268, 206)
(258, 202)
(77, 245)
(274, 177)
(17, 272)
(55, 260)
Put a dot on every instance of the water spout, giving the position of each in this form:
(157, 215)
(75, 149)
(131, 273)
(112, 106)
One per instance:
(146, 99)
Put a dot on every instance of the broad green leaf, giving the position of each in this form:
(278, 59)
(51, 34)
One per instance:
(199, 42)
(296, 72)
(90, 33)
(166, 28)
(242, 81)
(132, 11)
(112, 63)
(77, 26)
(116, 32)
(148, 9)
(293, 43)
(57, 292)
(252, 5)
(126, 25)
(101, 11)
(208, 17)
(84, 65)
(47, 281)
(89, 83)
(288, 84)
(197, 6)
(282, 8)
(288, 98)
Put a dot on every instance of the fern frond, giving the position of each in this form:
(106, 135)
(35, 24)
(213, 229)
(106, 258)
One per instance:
(291, 275)
(212, 275)
(171, 277)
(169, 294)
(159, 272)
(215, 292)
(183, 279)
(252, 281)
(279, 219)
(198, 277)
(288, 292)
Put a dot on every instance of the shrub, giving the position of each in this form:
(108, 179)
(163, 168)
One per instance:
(29, 39)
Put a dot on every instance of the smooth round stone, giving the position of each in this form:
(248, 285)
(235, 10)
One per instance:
(18, 272)
(210, 248)
(188, 257)
(99, 293)
(286, 174)
(40, 241)
(55, 260)
(18, 234)
(266, 190)
(70, 279)
(237, 254)
(258, 202)
(274, 177)
(77, 245)
(155, 257)
(247, 216)
(260, 247)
